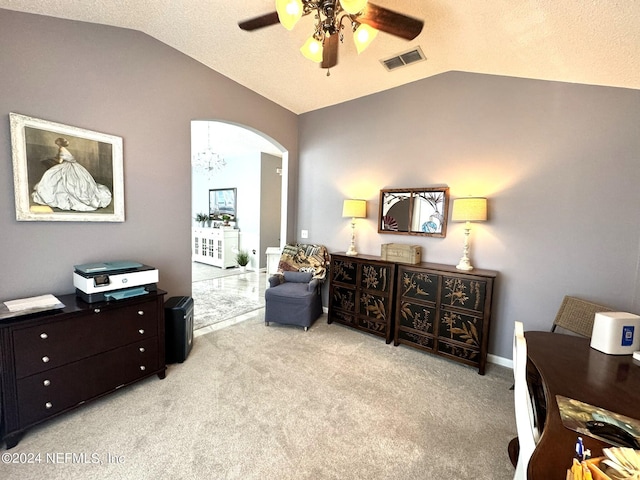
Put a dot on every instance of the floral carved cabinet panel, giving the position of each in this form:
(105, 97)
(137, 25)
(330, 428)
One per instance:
(444, 311)
(433, 307)
(361, 293)
(416, 319)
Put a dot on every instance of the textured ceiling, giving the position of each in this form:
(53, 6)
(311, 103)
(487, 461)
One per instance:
(580, 41)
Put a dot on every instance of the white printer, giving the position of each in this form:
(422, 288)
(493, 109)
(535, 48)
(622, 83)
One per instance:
(100, 282)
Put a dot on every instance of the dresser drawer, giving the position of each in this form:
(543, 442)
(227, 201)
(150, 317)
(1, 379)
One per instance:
(372, 325)
(47, 393)
(58, 343)
(415, 338)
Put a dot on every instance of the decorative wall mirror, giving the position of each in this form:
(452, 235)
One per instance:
(222, 201)
(414, 211)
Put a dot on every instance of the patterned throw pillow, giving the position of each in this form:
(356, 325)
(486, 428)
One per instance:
(305, 258)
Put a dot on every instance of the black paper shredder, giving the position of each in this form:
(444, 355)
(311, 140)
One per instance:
(178, 320)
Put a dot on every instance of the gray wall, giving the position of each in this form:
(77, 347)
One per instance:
(128, 84)
(249, 201)
(559, 163)
(270, 200)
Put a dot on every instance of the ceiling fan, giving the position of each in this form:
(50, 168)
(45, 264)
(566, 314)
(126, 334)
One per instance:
(364, 18)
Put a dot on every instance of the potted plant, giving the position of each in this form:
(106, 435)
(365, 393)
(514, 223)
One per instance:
(202, 218)
(226, 219)
(242, 257)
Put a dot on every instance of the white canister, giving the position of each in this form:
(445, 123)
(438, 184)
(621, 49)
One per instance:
(616, 333)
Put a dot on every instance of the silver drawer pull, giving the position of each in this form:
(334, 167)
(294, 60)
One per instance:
(44, 336)
(140, 312)
(141, 331)
(96, 310)
(141, 349)
(46, 383)
(45, 359)
(48, 405)
(143, 368)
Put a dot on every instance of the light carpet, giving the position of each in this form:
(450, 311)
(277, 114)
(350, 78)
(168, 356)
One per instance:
(257, 402)
(216, 300)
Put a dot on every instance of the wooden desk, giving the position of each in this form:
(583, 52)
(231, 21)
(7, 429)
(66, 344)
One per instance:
(568, 366)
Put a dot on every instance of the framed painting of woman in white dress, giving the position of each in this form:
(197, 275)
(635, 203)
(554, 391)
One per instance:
(64, 173)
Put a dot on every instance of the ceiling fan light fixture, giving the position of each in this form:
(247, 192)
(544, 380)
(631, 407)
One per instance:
(353, 6)
(289, 12)
(363, 35)
(331, 19)
(312, 50)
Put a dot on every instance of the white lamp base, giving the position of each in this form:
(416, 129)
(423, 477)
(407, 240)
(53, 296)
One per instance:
(352, 248)
(465, 263)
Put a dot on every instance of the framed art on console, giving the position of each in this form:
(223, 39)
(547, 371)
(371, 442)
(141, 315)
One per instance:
(64, 173)
(414, 211)
(222, 203)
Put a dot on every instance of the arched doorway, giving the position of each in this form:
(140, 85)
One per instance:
(230, 156)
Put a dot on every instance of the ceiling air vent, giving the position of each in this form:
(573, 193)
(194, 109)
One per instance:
(404, 59)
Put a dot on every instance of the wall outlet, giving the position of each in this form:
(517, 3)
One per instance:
(304, 234)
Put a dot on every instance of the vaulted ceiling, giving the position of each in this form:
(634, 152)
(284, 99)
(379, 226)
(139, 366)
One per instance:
(592, 42)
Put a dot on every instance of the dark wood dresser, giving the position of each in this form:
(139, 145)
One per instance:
(361, 293)
(54, 362)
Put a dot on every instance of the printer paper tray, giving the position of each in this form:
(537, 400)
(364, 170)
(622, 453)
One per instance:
(116, 294)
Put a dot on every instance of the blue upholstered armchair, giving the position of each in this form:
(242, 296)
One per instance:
(293, 296)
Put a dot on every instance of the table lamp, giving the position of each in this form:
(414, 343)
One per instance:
(354, 209)
(468, 209)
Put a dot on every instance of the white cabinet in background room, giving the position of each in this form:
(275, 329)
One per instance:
(273, 260)
(215, 246)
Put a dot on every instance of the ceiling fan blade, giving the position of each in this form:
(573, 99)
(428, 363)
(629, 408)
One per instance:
(391, 22)
(259, 22)
(330, 51)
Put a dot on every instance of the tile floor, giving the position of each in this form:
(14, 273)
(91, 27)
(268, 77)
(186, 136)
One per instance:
(248, 283)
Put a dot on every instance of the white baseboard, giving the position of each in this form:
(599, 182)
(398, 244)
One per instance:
(505, 362)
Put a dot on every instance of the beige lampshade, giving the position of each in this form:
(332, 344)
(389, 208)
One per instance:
(354, 208)
(469, 209)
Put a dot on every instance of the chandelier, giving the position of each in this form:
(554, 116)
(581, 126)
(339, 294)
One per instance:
(362, 17)
(207, 161)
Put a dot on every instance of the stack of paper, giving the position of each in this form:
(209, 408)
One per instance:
(39, 302)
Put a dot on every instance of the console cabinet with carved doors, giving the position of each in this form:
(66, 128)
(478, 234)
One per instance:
(361, 293)
(444, 311)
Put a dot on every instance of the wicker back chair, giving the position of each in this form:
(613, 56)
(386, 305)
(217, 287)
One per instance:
(577, 315)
